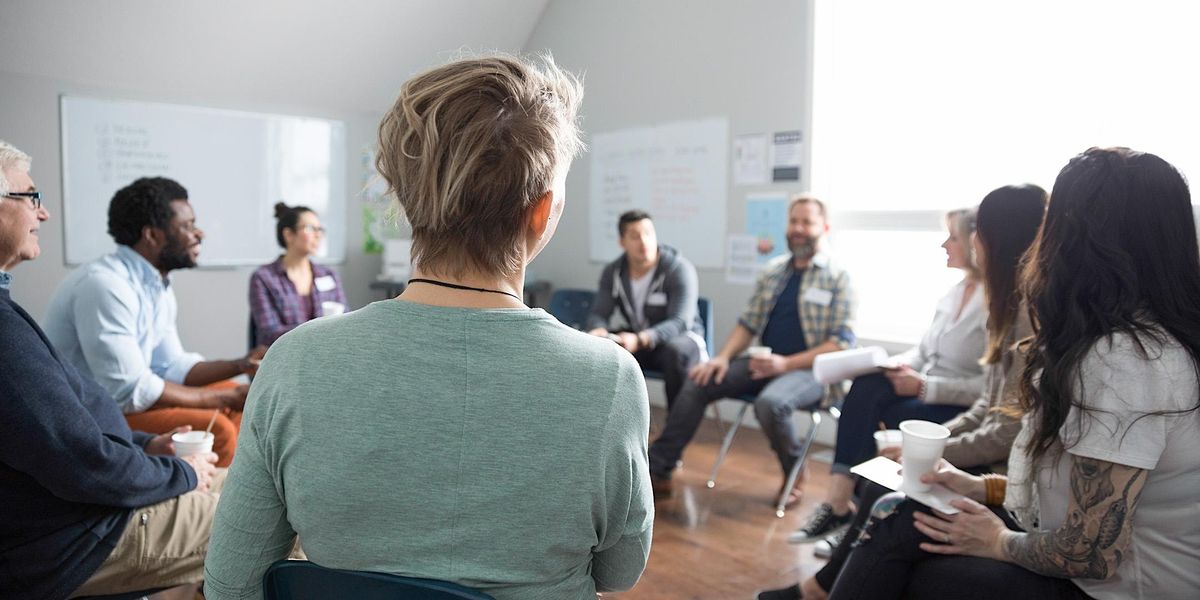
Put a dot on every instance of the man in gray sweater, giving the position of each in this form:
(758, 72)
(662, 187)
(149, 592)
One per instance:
(655, 290)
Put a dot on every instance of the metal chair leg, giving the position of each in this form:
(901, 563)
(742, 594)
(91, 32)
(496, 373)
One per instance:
(728, 441)
(799, 464)
(715, 415)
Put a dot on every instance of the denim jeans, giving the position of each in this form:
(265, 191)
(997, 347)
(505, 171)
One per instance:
(871, 401)
(776, 399)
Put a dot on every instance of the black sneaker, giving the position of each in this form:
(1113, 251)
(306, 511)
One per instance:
(822, 523)
(788, 593)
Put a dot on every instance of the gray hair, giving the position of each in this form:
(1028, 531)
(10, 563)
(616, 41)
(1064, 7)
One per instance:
(11, 158)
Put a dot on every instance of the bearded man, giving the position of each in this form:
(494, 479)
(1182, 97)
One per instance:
(114, 320)
(802, 307)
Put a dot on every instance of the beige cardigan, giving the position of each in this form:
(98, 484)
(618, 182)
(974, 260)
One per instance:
(983, 435)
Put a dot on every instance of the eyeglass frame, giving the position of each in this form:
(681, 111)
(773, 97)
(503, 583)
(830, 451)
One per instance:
(34, 197)
(310, 228)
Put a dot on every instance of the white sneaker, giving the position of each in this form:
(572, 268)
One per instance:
(824, 548)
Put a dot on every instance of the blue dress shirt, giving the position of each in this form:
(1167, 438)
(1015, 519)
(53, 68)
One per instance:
(113, 319)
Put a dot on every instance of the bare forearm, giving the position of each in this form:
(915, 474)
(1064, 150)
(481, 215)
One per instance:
(212, 371)
(182, 396)
(804, 360)
(737, 343)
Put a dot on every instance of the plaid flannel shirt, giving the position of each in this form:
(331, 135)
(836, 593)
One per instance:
(275, 305)
(821, 321)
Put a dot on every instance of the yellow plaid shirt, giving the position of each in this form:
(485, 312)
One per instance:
(821, 321)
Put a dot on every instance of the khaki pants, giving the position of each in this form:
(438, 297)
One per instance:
(163, 545)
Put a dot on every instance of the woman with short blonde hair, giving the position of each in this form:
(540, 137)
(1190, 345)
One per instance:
(452, 433)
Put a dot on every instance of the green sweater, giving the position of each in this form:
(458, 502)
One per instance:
(497, 449)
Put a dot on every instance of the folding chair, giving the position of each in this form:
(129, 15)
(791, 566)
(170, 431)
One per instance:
(832, 412)
(303, 580)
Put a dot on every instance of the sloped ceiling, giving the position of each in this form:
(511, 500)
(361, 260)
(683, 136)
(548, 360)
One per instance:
(344, 55)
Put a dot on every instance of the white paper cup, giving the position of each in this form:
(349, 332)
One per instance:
(759, 351)
(192, 442)
(888, 439)
(921, 448)
(330, 308)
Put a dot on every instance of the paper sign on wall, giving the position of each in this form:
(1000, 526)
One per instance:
(750, 159)
(786, 155)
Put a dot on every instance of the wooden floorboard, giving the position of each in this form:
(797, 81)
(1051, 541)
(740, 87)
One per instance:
(726, 543)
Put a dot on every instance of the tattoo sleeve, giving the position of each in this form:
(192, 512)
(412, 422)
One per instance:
(1094, 538)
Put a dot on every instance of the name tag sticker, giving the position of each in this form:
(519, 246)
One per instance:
(656, 299)
(818, 296)
(324, 283)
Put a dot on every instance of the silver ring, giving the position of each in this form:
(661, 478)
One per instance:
(948, 539)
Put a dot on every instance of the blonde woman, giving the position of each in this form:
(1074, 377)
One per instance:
(452, 433)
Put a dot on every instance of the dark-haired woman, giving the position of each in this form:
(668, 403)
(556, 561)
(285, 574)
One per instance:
(1007, 223)
(293, 289)
(1103, 478)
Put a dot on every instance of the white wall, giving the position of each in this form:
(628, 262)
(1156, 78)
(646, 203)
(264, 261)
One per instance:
(338, 60)
(653, 62)
(213, 306)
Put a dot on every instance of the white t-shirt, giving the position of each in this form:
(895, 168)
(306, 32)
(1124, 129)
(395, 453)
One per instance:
(640, 288)
(1163, 561)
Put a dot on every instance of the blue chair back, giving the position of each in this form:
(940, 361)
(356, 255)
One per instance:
(705, 310)
(303, 580)
(571, 307)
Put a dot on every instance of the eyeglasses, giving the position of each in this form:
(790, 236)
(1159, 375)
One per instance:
(34, 197)
(313, 229)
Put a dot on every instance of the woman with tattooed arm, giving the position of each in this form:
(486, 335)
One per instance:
(1104, 478)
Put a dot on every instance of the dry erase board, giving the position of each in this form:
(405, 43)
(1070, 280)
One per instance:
(235, 166)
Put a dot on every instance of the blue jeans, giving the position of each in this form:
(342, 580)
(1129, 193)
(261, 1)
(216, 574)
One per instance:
(872, 400)
(776, 400)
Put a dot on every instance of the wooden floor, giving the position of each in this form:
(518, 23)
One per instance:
(726, 543)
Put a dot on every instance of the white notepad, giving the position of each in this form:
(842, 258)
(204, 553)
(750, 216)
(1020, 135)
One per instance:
(886, 472)
(843, 365)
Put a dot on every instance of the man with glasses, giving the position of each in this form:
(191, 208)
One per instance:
(114, 320)
(87, 506)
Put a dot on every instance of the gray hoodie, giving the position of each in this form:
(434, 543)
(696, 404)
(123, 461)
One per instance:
(674, 276)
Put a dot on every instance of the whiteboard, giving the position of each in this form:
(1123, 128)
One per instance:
(235, 166)
(677, 172)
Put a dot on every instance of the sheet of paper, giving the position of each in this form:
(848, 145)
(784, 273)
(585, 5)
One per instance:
(843, 365)
(766, 220)
(741, 260)
(886, 472)
(750, 159)
(786, 155)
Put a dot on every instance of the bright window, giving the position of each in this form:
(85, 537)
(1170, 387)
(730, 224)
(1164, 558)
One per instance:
(922, 107)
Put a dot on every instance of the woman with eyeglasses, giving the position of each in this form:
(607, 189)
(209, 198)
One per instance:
(293, 289)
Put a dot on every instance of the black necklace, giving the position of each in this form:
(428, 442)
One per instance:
(462, 287)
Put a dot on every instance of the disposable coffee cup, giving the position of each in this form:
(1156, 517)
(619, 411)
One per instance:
(921, 446)
(888, 439)
(330, 308)
(192, 442)
(759, 351)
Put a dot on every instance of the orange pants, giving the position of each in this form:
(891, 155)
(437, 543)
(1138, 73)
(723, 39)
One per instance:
(225, 428)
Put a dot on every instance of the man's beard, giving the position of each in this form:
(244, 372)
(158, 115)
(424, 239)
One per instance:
(803, 248)
(175, 255)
